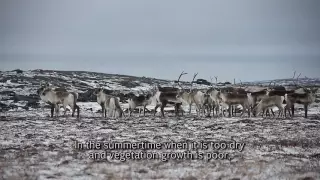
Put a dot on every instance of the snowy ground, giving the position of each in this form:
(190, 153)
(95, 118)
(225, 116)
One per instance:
(34, 146)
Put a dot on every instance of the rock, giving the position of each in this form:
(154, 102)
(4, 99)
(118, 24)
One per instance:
(8, 93)
(30, 98)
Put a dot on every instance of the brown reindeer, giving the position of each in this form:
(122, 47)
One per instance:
(136, 101)
(245, 100)
(166, 95)
(306, 98)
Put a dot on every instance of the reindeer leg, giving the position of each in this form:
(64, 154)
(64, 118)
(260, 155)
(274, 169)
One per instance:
(155, 109)
(65, 110)
(285, 111)
(267, 112)
(204, 111)
(162, 107)
(178, 106)
(230, 109)
(232, 113)
(292, 110)
(198, 110)
(57, 110)
(144, 110)
(263, 112)
(78, 110)
(102, 108)
(113, 113)
(52, 109)
(139, 111)
(176, 109)
(306, 111)
(279, 112)
(73, 110)
(129, 112)
(289, 112)
(213, 109)
(272, 112)
(243, 110)
(218, 111)
(182, 111)
(209, 111)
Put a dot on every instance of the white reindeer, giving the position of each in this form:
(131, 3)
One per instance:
(268, 102)
(213, 93)
(112, 103)
(55, 97)
(101, 98)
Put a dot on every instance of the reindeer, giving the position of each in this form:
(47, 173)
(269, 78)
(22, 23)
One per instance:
(163, 96)
(183, 95)
(54, 97)
(197, 97)
(210, 105)
(135, 101)
(193, 96)
(112, 103)
(245, 100)
(269, 91)
(44, 85)
(213, 94)
(102, 96)
(307, 98)
(267, 102)
(230, 90)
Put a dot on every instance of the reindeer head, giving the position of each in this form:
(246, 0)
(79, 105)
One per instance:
(40, 90)
(148, 95)
(314, 90)
(130, 95)
(179, 94)
(43, 85)
(154, 90)
(97, 91)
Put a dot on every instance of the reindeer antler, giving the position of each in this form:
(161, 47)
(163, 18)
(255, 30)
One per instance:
(312, 85)
(194, 76)
(211, 81)
(294, 74)
(240, 83)
(183, 73)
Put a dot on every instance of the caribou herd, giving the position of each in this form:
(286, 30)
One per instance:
(215, 100)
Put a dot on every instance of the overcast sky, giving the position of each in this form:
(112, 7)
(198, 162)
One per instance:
(243, 39)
